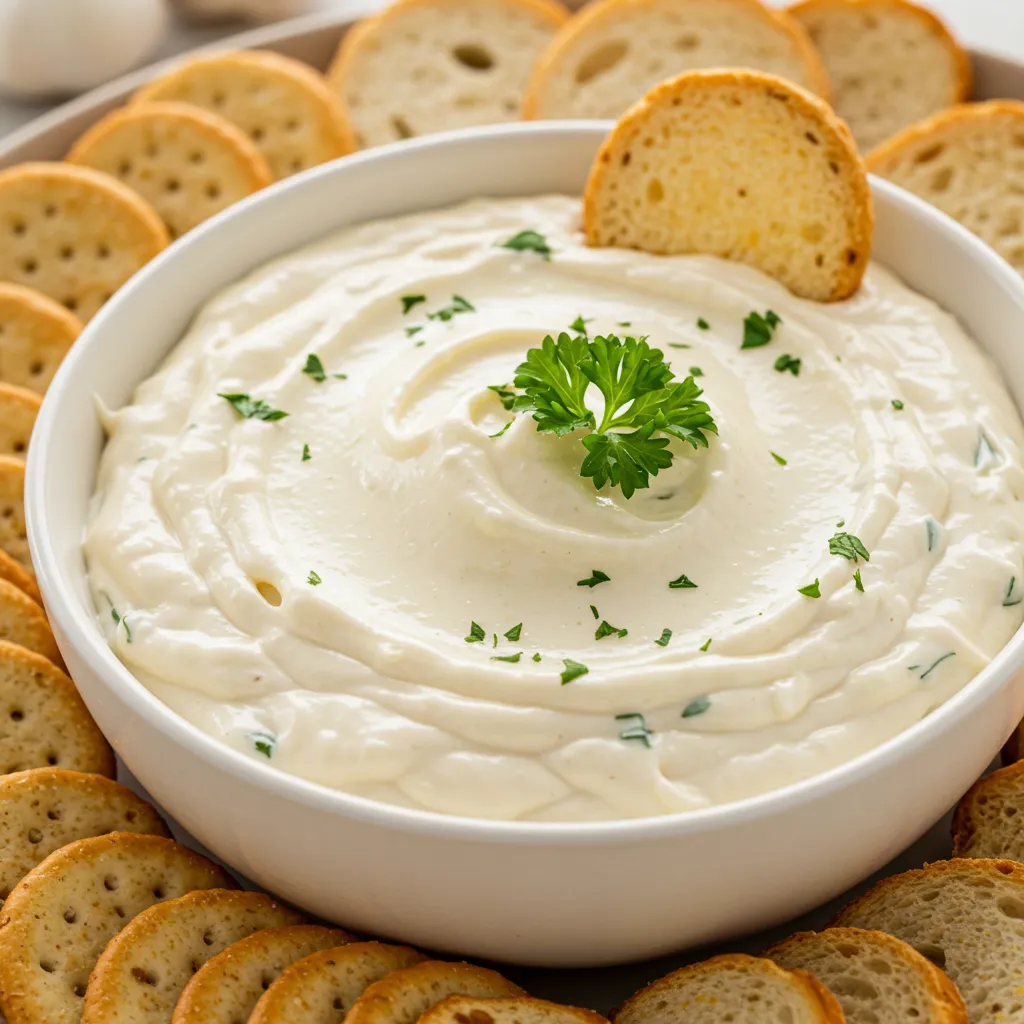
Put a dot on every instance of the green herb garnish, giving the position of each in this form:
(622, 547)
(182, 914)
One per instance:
(696, 371)
(607, 629)
(811, 590)
(678, 344)
(579, 325)
(779, 459)
(641, 399)
(595, 612)
(476, 634)
(897, 404)
(931, 529)
(252, 408)
(313, 579)
(703, 324)
(505, 394)
(857, 581)
(625, 323)
(498, 433)
(787, 362)
(528, 241)
(515, 632)
(119, 621)
(1009, 600)
(536, 656)
(314, 368)
(758, 330)
(511, 658)
(682, 582)
(707, 643)
(410, 331)
(457, 305)
(697, 706)
(666, 635)
(595, 577)
(264, 743)
(573, 670)
(934, 665)
(306, 454)
(639, 731)
(848, 546)
(408, 301)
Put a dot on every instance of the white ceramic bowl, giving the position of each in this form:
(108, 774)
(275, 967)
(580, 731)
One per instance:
(549, 894)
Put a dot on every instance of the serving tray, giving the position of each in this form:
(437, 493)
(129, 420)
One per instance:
(313, 39)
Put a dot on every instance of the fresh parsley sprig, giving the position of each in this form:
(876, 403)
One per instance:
(642, 404)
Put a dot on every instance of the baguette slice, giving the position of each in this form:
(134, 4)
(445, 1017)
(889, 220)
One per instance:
(509, 1010)
(989, 820)
(613, 51)
(425, 66)
(963, 915)
(877, 978)
(967, 162)
(891, 63)
(737, 988)
(401, 996)
(741, 165)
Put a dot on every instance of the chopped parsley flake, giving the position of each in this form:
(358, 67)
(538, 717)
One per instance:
(637, 731)
(313, 579)
(758, 330)
(840, 524)
(529, 241)
(857, 581)
(252, 408)
(420, 344)
(579, 325)
(495, 635)
(607, 629)
(573, 670)
(119, 621)
(787, 362)
(625, 323)
(682, 582)
(934, 665)
(678, 344)
(498, 433)
(666, 635)
(264, 743)
(1009, 599)
(536, 656)
(707, 643)
(596, 613)
(457, 305)
(505, 394)
(848, 546)
(931, 529)
(703, 324)
(511, 658)
(897, 404)
(697, 706)
(515, 632)
(314, 368)
(408, 301)
(476, 634)
(306, 454)
(410, 331)
(596, 576)
(779, 459)
(696, 371)
(811, 590)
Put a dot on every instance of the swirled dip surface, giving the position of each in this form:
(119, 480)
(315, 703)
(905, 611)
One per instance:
(210, 530)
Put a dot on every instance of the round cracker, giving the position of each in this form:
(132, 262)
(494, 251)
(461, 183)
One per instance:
(13, 536)
(225, 989)
(23, 622)
(35, 335)
(611, 53)
(61, 916)
(73, 233)
(43, 720)
(187, 163)
(21, 578)
(422, 66)
(739, 165)
(283, 105)
(18, 410)
(321, 988)
(144, 969)
(43, 809)
(401, 996)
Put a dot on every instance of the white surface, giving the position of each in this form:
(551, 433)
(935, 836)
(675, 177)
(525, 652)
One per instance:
(551, 894)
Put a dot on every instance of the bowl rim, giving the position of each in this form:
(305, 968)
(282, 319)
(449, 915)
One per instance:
(78, 626)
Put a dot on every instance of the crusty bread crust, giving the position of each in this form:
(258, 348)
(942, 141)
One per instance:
(946, 1004)
(597, 15)
(969, 828)
(506, 1010)
(609, 219)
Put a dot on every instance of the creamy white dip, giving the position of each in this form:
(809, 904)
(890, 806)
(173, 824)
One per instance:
(418, 522)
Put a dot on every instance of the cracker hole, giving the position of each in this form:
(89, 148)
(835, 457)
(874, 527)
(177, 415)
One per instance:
(110, 883)
(291, 125)
(401, 127)
(152, 150)
(265, 982)
(79, 989)
(144, 977)
(257, 134)
(819, 260)
(269, 593)
(173, 185)
(742, 193)
(833, 166)
(17, 715)
(29, 266)
(926, 156)
(473, 56)
(158, 892)
(48, 966)
(208, 938)
(811, 138)
(49, 210)
(218, 99)
(196, 158)
(51, 759)
(70, 916)
(124, 168)
(601, 60)
(67, 252)
(54, 814)
(942, 179)
(35, 836)
(296, 164)
(851, 257)
(131, 816)
(36, 368)
(18, 227)
(102, 251)
(686, 42)
(213, 190)
(71, 303)
(338, 1004)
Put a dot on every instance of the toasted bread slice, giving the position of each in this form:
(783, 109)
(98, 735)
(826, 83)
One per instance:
(401, 996)
(963, 915)
(613, 51)
(740, 165)
(877, 978)
(891, 63)
(738, 988)
(425, 66)
(966, 161)
(989, 820)
(508, 1010)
